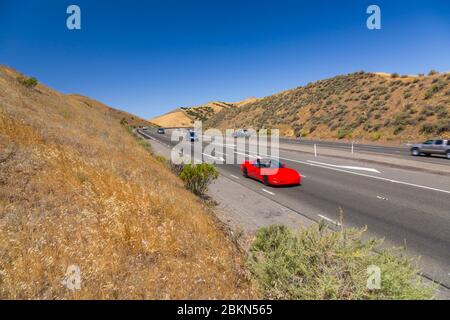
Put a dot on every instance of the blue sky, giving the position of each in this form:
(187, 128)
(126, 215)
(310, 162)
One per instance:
(148, 57)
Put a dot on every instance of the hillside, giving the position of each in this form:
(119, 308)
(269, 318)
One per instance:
(185, 117)
(361, 106)
(77, 189)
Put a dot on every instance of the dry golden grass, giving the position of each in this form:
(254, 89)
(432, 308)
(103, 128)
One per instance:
(77, 189)
(177, 118)
(371, 106)
(185, 117)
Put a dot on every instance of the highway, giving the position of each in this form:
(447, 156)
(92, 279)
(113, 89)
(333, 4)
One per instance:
(406, 208)
(399, 152)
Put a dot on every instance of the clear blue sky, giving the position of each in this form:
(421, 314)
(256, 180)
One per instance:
(148, 57)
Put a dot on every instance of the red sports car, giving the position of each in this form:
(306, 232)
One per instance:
(271, 172)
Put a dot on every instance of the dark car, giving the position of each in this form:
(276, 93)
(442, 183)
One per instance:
(161, 131)
(192, 136)
(437, 146)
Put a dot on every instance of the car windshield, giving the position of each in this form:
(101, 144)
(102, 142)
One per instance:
(193, 134)
(267, 163)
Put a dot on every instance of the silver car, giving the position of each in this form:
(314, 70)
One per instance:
(242, 133)
(437, 146)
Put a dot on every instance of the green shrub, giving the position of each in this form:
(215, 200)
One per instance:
(374, 136)
(316, 263)
(343, 132)
(28, 82)
(395, 75)
(197, 177)
(428, 128)
(434, 89)
(399, 128)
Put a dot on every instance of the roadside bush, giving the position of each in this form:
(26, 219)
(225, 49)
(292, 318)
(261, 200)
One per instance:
(428, 128)
(197, 177)
(176, 168)
(343, 132)
(317, 263)
(28, 82)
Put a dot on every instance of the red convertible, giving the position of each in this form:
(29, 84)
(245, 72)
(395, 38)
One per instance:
(271, 172)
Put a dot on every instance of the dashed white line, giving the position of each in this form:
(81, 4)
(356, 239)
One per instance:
(329, 220)
(267, 191)
(382, 198)
(236, 177)
(363, 175)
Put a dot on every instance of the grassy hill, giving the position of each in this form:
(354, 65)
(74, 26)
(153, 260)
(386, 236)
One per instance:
(185, 117)
(362, 106)
(77, 189)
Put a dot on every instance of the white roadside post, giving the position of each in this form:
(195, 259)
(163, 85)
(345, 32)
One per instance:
(315, 150)
(353, 148)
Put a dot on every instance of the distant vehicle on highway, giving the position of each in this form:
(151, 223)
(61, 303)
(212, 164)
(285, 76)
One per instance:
(192, 136)
(437, 146)
(161, 131)
(241, 133)
(271, 172)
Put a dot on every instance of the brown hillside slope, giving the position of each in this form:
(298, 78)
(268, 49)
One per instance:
(77, 189)
(363, 106)
(185, 117)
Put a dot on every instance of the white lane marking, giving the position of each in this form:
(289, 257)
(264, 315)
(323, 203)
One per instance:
(235, 176)
(382, 198)
(329, 220)
(267, 191)
(346, 167)
(366, 175)
(244, 154)
(215, 158)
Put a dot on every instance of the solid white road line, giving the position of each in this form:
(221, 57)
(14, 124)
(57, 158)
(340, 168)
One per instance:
(346, 167)
(329, 220)
(267, 191)
(215, 158)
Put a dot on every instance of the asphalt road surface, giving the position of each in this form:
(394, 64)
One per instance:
(406, 208)
(398, 152)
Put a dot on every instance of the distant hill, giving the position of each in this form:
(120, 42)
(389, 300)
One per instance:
(363, 106)
(186, 116)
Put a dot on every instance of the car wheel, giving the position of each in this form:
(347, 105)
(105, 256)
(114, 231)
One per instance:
(415, 152)
(448, 154)
(266, 180)
(245, 172)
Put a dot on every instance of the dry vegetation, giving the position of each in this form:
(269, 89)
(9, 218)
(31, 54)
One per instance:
(363, 106)
(77, 189)
(185, 117)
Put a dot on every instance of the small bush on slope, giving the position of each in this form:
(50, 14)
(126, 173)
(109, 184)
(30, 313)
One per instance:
(197, 177)
(28, 82)
(316, 263)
